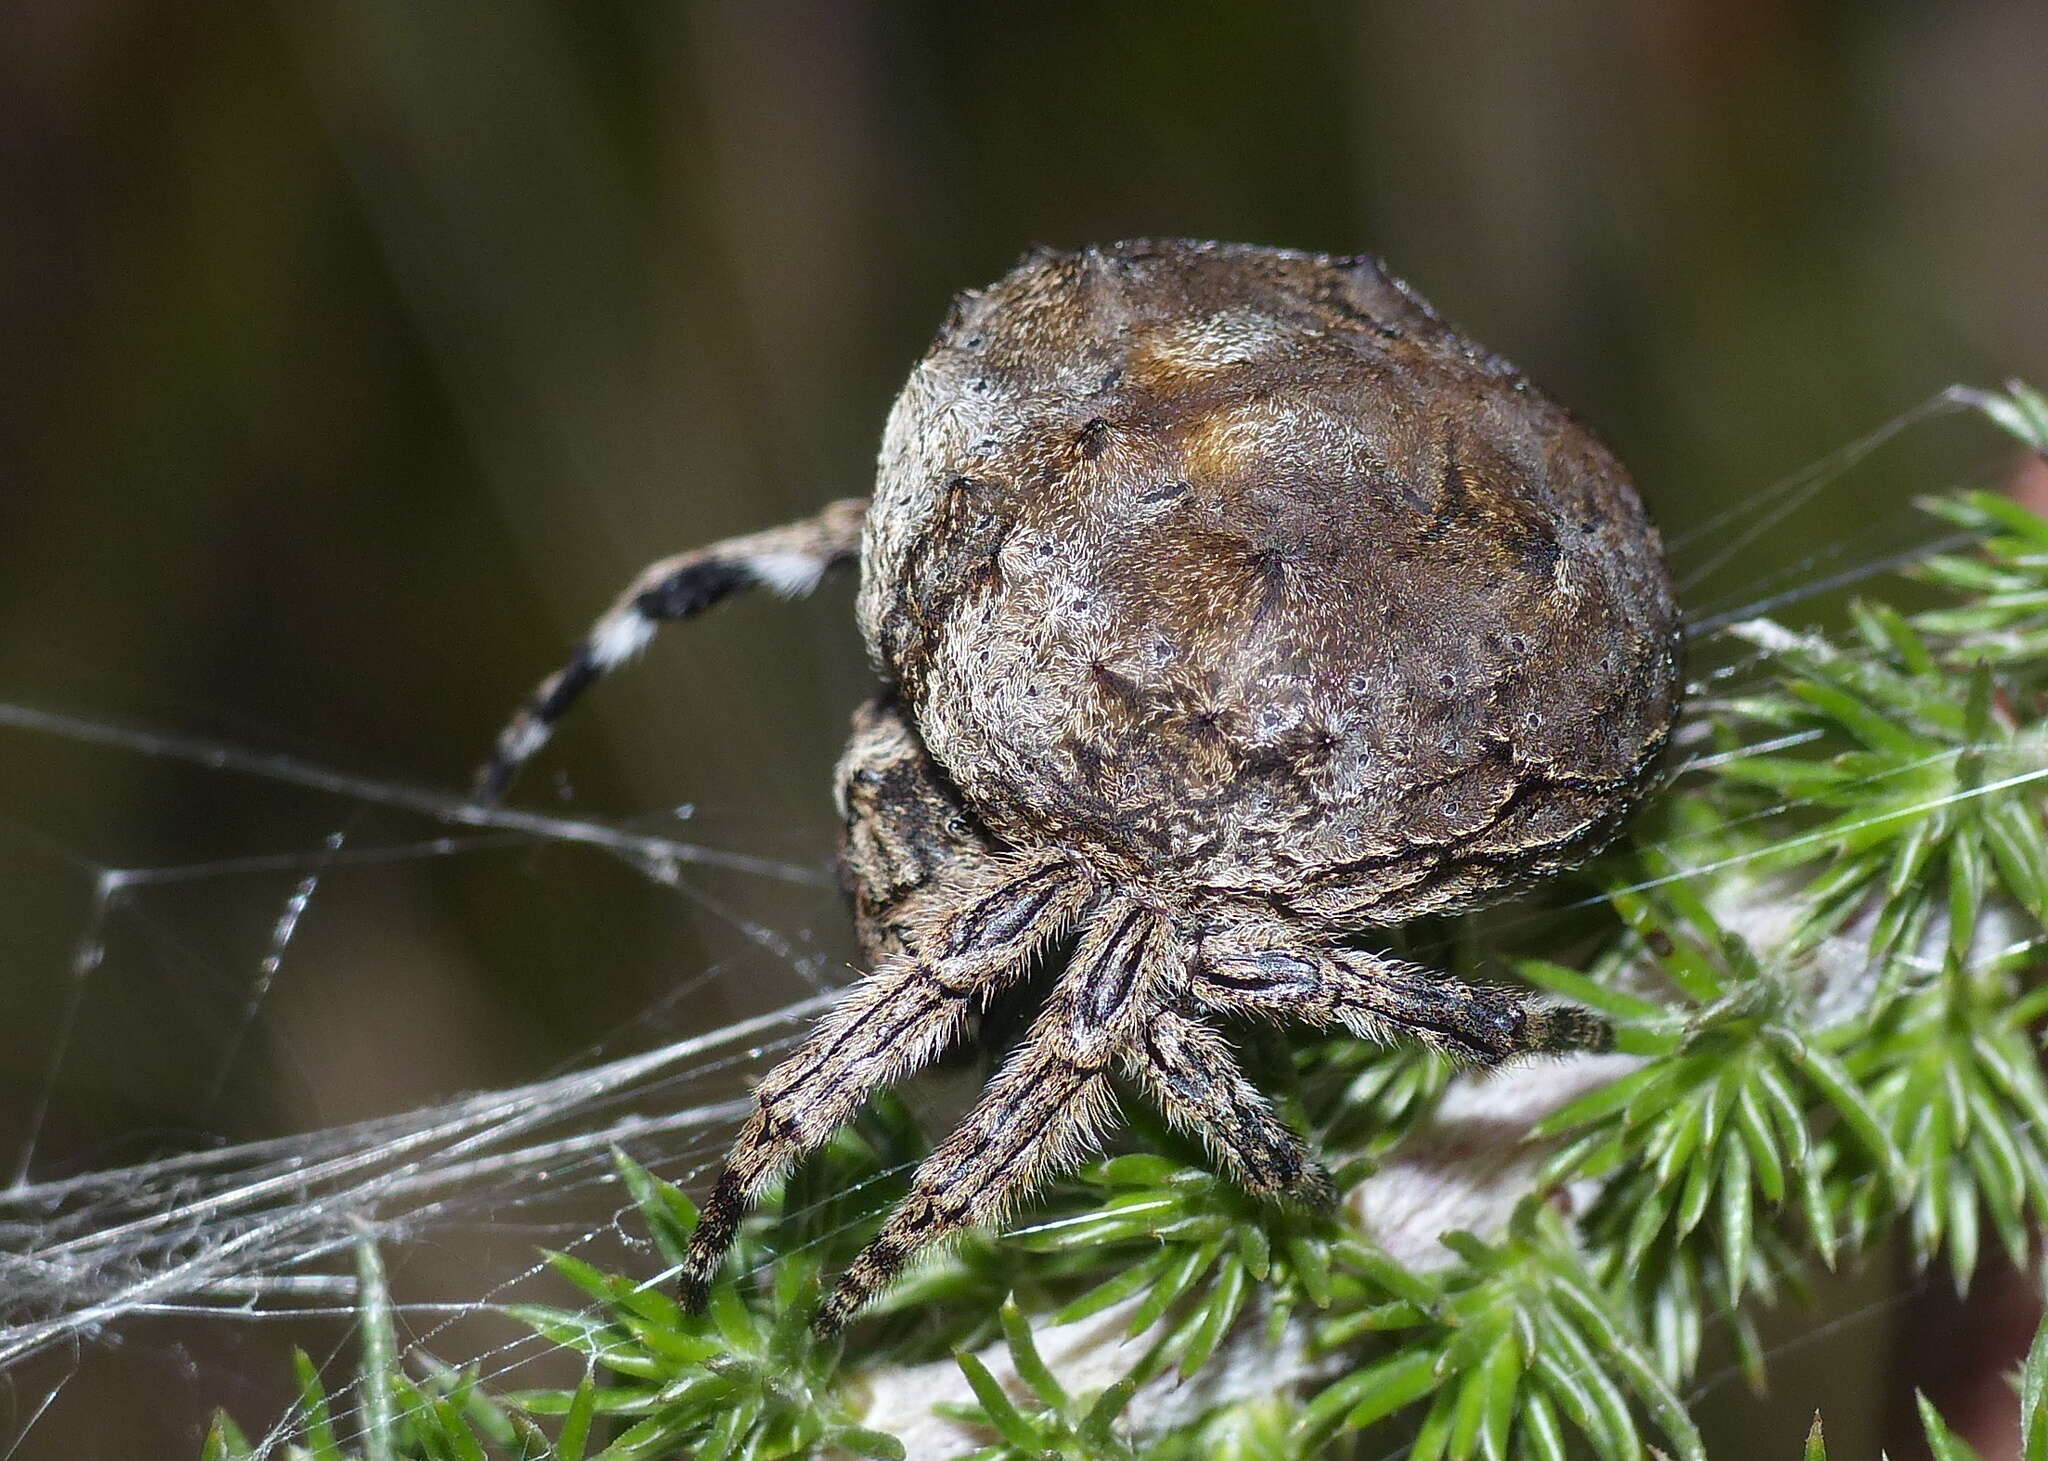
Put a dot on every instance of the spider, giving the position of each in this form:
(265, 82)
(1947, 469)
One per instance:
(1228, 603)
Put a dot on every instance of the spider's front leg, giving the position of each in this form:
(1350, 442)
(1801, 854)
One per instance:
(973, 927)
(1042, 1111)
(1265, 970)
(790, 560)
(1188, 1071)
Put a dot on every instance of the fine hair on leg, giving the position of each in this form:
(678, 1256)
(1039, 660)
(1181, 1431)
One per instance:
(790, 560)
(1266, 971)
(1042, 1112)
(973, 930)
(1188, 1071)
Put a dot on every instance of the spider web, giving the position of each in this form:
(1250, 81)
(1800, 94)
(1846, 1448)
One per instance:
(170, 1263)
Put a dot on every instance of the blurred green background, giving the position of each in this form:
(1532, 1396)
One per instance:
(356, 353)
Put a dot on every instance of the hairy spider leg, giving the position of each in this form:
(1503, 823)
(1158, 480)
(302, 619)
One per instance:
(972, 930)
(1265, 973)
(790, 560)
(1188, 1071)
(1043, 1111)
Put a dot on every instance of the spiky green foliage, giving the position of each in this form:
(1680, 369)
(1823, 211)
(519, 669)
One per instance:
(1506, 1353)
(443, 1415)
(1053, 1423)
(1742, 1113)
(1816, 953)
(1909, 793)
(1956, 1068)
(1185, 1249)
(1945, 1445)
(747, 1377)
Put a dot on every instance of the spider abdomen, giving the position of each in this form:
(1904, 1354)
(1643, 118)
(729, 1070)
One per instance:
(1234, 570)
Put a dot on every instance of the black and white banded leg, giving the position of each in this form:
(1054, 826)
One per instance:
(789, 560)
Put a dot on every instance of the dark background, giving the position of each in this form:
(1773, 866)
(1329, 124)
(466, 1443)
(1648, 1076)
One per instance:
(353, 354)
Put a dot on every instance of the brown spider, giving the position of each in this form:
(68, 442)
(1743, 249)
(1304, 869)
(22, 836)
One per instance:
(1228, 602)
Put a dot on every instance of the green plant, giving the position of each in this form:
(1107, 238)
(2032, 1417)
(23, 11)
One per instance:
(1816, 955)
(441, 1416)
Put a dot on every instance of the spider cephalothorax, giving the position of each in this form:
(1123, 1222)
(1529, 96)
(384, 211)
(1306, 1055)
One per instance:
(1229, 602)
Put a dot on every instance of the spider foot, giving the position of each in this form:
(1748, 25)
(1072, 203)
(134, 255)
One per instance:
(1191, 1075)
(1557, 1029)
(874, 1270)
(718, 1224)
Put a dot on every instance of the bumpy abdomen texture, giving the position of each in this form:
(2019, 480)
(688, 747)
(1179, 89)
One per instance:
(1238, 572)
